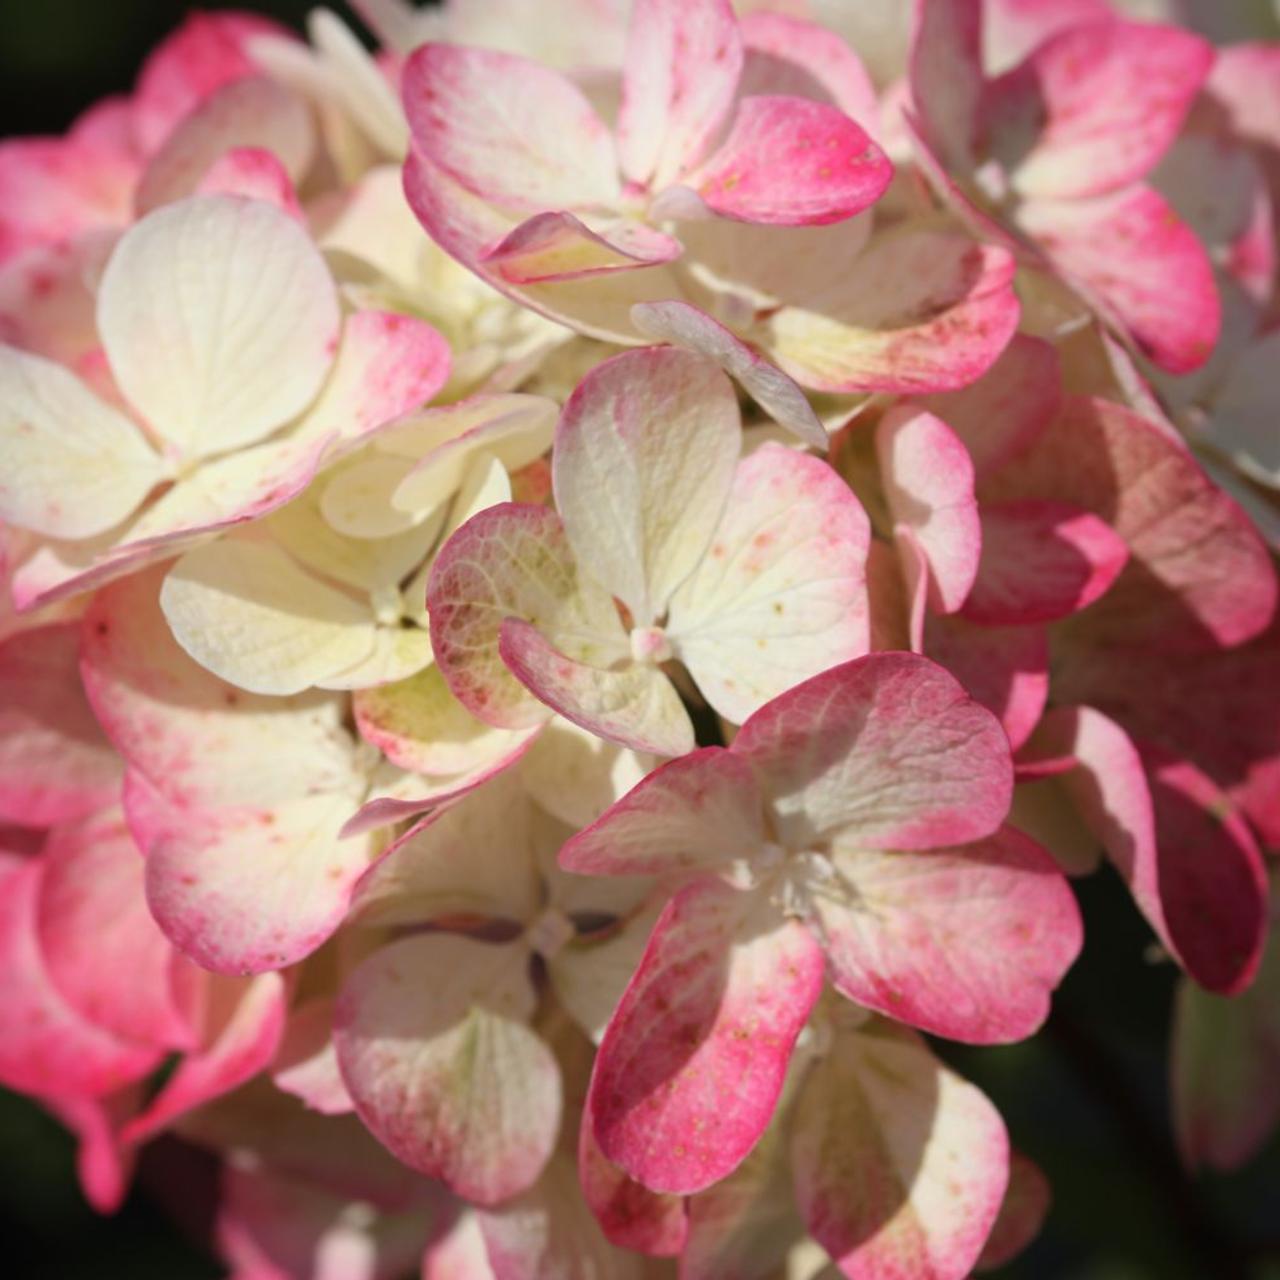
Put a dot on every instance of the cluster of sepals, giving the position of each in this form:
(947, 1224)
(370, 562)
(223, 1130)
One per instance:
(879, 402)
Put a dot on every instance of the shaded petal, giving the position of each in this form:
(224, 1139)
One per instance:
(900, 1164)
(1022, 1213)
(945, 76)
(1040, 562)
(513, 561)
(446, 1073)
(684, 325)
(55, 763)
(888, 751)
(711, 1015)
(695, 813)
(643, 462)
(928, 485)
(918, 311)
(636, 706)
(558, 246)
(630, 1215)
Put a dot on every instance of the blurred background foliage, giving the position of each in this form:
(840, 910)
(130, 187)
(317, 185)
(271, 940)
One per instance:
(1087, 1098)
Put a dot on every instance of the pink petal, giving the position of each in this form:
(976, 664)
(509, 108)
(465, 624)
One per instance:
(207, 51)
(918, 311)
(104, 1165)
(1094, 107)
(1026, 1205)
(252, 112)
(887, 750)
(511, 131)
(245, 1022)
(684, 325)
(256, 174)
(47, 1048)
(1041, 561)
(55, 763)
(57, 189)
(630, 1215)
(900, 1165)
(449, 1077)
(710, 1017)
(558, 246)
(636, 707)
(695, 813)
(307, 1065)
(679, 78)
(1006, 410)
(781, 593)
(928, 484)
(792, 162)
(1006, 669)
(966, 943)
(1195, 878)
(481, 578)
(1131, 252)
(1191, 549)
(102, 949)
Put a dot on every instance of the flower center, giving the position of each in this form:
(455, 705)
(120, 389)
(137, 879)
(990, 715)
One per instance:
(650, 645)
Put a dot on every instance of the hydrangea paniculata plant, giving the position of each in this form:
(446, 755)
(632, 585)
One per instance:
(579, 578)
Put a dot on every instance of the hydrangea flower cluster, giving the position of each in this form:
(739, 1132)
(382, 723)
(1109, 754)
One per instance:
(575, 583)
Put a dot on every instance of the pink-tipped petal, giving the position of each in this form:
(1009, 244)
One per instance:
(793, 163)
(1094, 107)
(253, 112)
(1142, 263)
(691, 1067)
(780, 594)
(445, 1072)
(513, 561)
(511, 131)
(1041, 561)
(636, 707)
(256, 174)
(887, 750)
(694, 813)
(679, 79)
(918, 311)
(966, 943)
(928, 485)
(900, 1165)
(56, 765)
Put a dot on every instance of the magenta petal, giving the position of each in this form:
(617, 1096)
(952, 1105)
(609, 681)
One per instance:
(792, 162)
(693, 1061)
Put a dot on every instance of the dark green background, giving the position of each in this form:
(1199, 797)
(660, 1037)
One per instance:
(1087, 1098)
